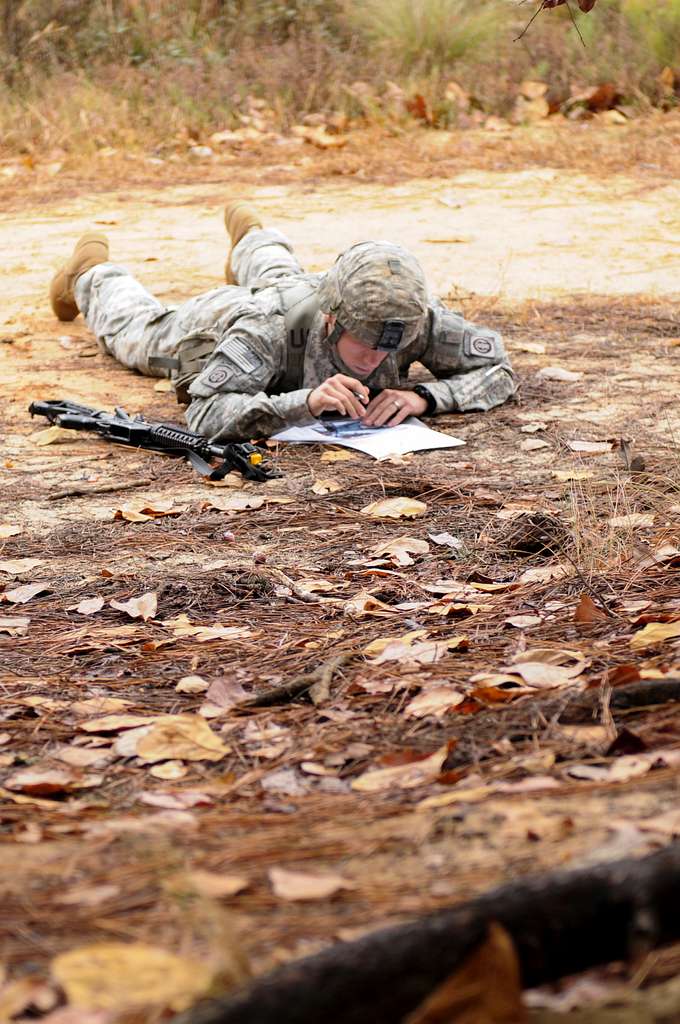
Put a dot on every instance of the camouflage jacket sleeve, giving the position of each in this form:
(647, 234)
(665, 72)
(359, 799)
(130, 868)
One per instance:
(470, 363)
(230, 398)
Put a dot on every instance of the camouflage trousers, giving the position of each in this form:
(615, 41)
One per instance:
(134, 327)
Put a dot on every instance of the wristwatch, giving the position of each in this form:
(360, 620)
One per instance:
(423, 392)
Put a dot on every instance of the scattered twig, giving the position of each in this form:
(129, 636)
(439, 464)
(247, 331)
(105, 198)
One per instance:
(528, 24)
(75, 492)
(573, 21)
(322, 676)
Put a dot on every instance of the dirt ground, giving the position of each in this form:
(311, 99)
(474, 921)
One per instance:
(567, 498)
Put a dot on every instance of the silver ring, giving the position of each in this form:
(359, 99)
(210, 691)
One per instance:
(398, 404)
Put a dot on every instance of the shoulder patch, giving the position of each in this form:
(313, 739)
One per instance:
(241, 355)
(480, 346)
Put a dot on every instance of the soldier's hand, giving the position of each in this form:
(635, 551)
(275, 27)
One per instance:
(340, 394)
(391, 407)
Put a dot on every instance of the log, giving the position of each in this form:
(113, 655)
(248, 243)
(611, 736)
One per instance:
(562, 923)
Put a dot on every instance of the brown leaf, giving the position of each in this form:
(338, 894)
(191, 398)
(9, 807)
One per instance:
(300, 885)
(143, 607)
(394, 508)
(169, 771)
(181, 737)
(318, 136)
(485, 989)
(588, 611)
(419, 108)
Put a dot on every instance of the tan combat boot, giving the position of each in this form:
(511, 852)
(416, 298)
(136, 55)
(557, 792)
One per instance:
(91, 249)
(239, 218)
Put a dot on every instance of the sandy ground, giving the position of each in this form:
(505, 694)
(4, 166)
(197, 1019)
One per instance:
(578, 272)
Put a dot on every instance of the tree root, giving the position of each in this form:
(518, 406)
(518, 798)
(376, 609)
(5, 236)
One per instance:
(561, 923)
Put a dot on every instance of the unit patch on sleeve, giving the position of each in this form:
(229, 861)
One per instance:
(481, 346)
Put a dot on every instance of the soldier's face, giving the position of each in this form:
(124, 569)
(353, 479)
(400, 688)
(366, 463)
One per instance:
(359, 358)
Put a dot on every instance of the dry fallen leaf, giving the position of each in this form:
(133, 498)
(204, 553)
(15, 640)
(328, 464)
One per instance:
(143, 607)
(394, 508)
(363, 605)
(18, 566)
(21, 595)
(327, 486)
(654, 633)
(192, 684)
(169, 771)
(127, 976)
(572, 474)
(400, 549)
(223, 694)
(559, 373)
(235, 501)
(434, 701)
(181, 627)
(588, 611)
(14, 625)
(533, 444)
(53, 435)
(88, 896)
(546, 573)
(425, 652)
(180, 737)
(42, 782)
(485, 989)
(402, 776)
(633, 519)
(342, 455)
(590, 447)
(143, 509)
(88, 606)
(524, 621)
(113, 723)
(9, 530)
(210, 884)
(299, 885)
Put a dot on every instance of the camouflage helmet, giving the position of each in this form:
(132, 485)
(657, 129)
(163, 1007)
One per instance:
(377, 292)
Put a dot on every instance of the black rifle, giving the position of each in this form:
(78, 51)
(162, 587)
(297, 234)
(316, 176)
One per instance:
(136, 432)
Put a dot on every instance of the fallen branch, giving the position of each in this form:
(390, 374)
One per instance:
(634, 695)
(76, 492)
(321, 677)
(561, 924)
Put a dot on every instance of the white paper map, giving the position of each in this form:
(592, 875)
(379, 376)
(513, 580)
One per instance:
(409, 436)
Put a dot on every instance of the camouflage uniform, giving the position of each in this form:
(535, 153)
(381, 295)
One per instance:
(263, 345)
